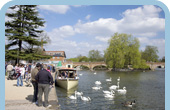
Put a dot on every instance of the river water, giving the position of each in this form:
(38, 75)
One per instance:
(147, 88)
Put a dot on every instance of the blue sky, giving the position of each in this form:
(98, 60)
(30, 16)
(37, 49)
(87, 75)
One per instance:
(79, 29)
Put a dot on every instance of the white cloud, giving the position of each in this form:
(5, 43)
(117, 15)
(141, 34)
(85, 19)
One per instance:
(101, 27)
(103, 39)
(88, 17)
(61, 9)
(159, 43)
(142, 22)
(64, 31)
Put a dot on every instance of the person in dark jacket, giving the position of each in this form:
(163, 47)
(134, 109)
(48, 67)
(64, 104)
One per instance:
(44, 80)
(34, 82)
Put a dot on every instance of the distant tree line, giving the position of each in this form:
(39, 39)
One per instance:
(93, 56)
(123, 52)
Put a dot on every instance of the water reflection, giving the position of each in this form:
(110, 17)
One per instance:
(66, 93)
(148, 88)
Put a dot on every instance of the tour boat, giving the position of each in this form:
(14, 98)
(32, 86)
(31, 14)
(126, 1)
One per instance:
(66, 78)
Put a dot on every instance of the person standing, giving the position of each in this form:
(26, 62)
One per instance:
(5, 67)
(34, 82)
(26, 73)
(33, 66)
(44, 79)
(48, 69)
(9, 68)
(20, 78)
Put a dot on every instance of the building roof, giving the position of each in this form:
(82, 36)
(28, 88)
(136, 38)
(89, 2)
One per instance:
(56, 53)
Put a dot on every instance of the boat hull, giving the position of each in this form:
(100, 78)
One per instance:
(67, 83)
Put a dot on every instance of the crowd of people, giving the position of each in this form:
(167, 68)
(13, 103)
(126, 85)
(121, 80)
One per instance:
(37, 74)
(67, 74)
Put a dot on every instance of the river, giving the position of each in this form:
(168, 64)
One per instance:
(147, 88)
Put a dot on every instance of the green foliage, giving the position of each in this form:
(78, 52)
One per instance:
(95, 55)
(163, 59)
(23, 32)
(143, 64)
(74, 59)
(79, 58)
(123, 50)
(150, 54)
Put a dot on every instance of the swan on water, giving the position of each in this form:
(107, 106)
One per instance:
(109, 95)
(79, 93)
(98, 82)
(109, 92)
(73, 97)
(109, 79)
(123, 91)
(118, 79)
(95, 73)
(114, 87)
(96, 88)
(80, 74)
(85, 98)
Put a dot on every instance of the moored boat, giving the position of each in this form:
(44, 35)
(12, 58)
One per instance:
(67, 78)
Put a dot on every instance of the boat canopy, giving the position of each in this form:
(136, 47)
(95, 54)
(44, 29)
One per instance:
(67, 69)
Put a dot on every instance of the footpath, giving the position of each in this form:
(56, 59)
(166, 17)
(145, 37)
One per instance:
(20, 98)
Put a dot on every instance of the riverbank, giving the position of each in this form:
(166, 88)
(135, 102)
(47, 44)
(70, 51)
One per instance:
(20, 98)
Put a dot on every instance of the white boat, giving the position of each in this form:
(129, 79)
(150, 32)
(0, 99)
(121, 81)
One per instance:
(68, 80)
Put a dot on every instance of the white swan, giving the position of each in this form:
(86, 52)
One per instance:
(98, 82)
(95, 73)
(114, 87)
(96, 88)
(109, 92)
(123, 91)
(118, 79)
(73, 97)
(79, 93)
(80, 74)
(109, 96)
(109, 79)
(85, 98)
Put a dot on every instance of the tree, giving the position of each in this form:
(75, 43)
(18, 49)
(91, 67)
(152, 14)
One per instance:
(150, 54)
(95, 55)
(23, 32)
(163, 59)
(79, 58)
(83, 59)
(123, 50)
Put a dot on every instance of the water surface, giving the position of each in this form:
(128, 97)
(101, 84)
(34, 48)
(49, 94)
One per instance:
(147, 88)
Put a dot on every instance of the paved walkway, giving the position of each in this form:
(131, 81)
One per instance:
(20, 98)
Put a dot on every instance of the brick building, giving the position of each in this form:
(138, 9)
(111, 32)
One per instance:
(56, 55)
